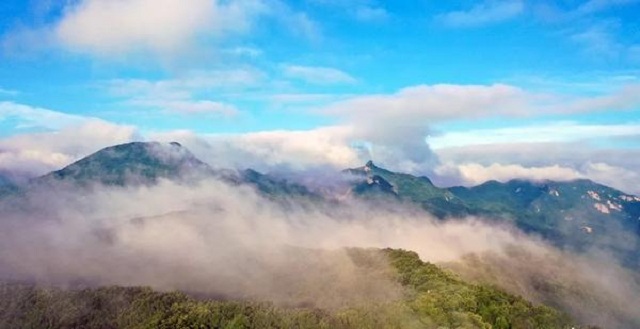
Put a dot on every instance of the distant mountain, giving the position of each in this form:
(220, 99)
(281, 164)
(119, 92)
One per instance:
(146, 162)
(377, 181)
(579, 205)
(133, 163)
(275, 187)
(578, 214)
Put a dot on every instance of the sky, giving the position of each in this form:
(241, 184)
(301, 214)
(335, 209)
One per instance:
(462, 91)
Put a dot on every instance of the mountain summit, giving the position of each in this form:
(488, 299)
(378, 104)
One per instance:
(133, 163)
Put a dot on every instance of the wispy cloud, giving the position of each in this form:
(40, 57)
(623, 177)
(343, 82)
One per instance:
(599, 40)
(485, 13)
(361, 10)
(8, 92)
(371, 13)
(184, 95)
(27, 117)
(593, 6)
(317, 74)
(42, 139)
(298, 98)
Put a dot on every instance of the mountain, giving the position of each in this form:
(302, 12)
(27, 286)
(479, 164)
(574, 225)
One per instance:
(580, 202)
(376, 181)
(278, 189)
(133, 163)
(578, 214)
(146, 162)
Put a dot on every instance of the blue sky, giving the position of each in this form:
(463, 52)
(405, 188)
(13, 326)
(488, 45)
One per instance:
(387, 74)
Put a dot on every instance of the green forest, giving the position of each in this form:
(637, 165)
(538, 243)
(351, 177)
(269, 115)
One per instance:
(432, 298)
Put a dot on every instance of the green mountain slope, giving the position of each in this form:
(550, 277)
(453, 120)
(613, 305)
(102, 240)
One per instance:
(377, 181)
(146, 162)
(132, 163)
(577, 214)
(580, 214)
(433, 298)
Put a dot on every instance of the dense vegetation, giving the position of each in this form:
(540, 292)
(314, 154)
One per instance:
(579, 215)
(433, 299)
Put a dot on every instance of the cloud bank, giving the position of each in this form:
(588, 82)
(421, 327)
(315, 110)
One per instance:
(224, 241)
(398, 131)
(106, 28)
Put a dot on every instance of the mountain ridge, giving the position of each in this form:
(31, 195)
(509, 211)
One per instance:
(576, 214)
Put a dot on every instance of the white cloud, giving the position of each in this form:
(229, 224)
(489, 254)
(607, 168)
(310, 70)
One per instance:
(396, 125)
(551, 132)
(471, 174)
(425, 104)
(391, 129)
(484, 13)
(61, 138)
(8, 92)
(625, 98)
(301, 24)
(371, 13)
(593, 6)
(164, 27)
(317, 74)
(472, 164)
(268, 150)
(303, 98)
(183, 94)
(156, 30)
(197, 81)
(244, 51)
(30, 155)
(625, 179)
(32, 117)
(191, 106)
(362, 10)
(598, 40)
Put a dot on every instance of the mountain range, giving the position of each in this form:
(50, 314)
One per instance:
(579, 215)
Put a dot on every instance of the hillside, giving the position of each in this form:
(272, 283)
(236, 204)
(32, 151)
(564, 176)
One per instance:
(578, 214)
(432, 298)
(132, 163)
(379, 182)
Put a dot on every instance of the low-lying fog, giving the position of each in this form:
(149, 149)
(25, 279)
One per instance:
(230, 242)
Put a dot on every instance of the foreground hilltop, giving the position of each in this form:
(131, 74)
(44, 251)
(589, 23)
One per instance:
(431, 298)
